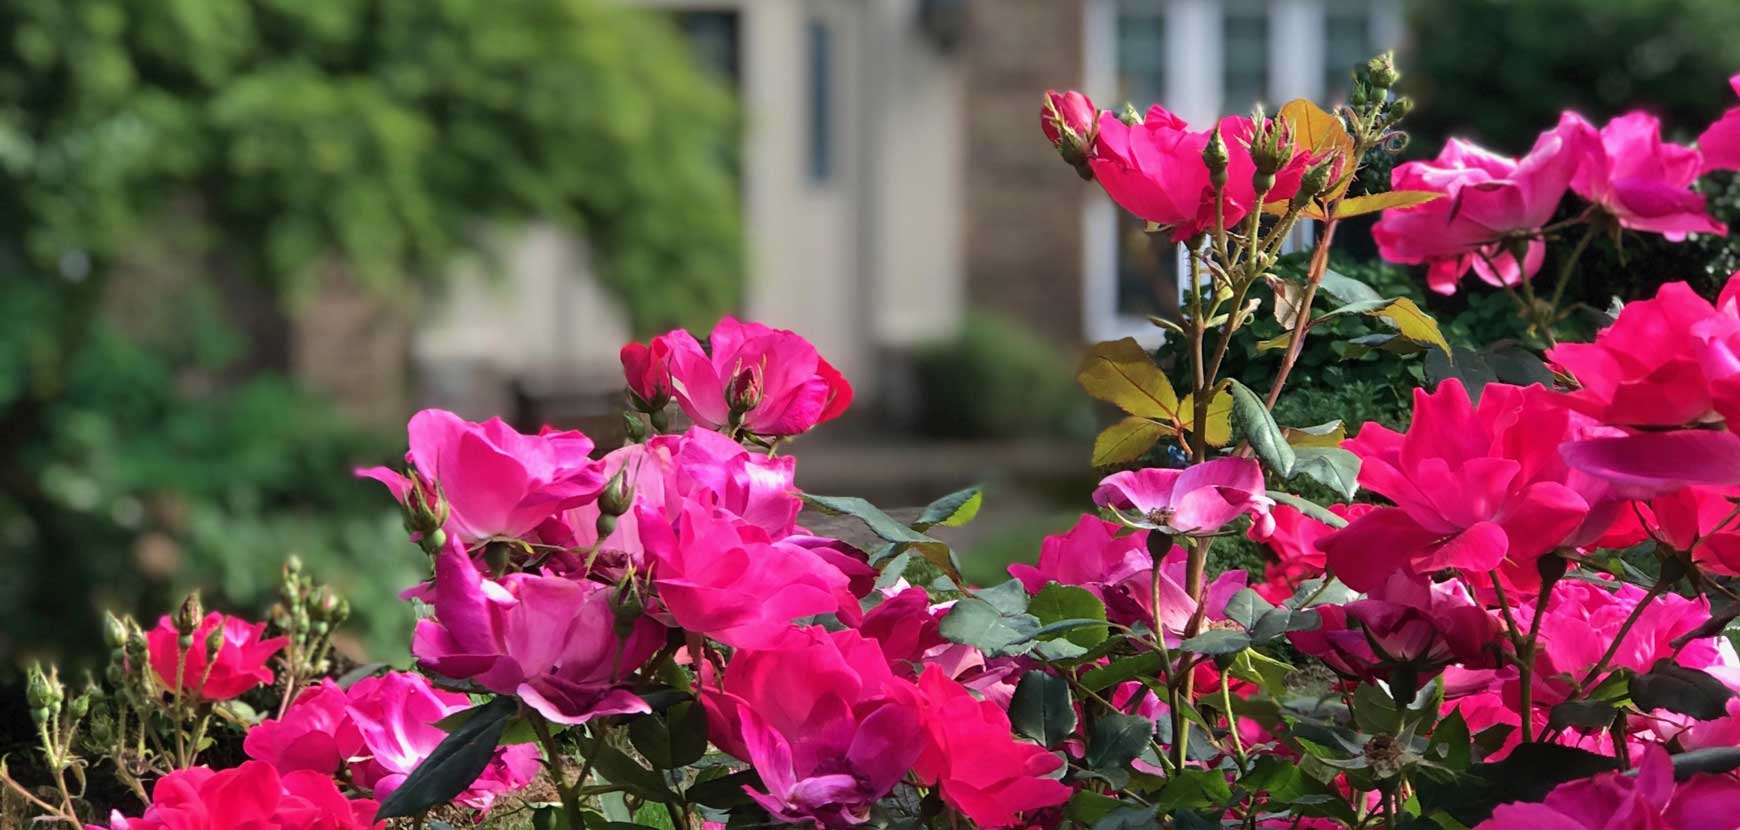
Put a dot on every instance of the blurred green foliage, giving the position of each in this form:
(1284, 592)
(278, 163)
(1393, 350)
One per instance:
(148, 441)
(997, 379)
(379, 132)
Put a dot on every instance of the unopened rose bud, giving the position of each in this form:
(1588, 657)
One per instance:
(1382, 70)
(626, 606)
(633, 427)
(744, 391)
(618, 495)
(1215, 156)
(1314, 182)
(41, 690)
(1400, 108)
(191, 613)
(293, 566)
(1271, 147)
(342, 612)
(214, 642)
(114, 631)
(434, 542)
(604, 526)
(1130, 115)
(1070, 123)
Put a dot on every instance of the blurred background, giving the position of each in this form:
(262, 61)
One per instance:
(242, 240)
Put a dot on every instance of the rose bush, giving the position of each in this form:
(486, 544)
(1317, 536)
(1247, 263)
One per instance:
(1514, 618)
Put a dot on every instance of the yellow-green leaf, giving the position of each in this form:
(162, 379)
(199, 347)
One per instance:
(1121, 373)
(1288, 296)
(1314, 130)
(1412, 323)
(1279, 341)
(1219, 417)
(1374, 202)
(1127, 440)
(1322, 435)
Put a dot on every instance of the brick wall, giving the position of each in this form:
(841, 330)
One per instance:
(1023, 223)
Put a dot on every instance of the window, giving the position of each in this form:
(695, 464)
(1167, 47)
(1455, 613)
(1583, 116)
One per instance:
(1141, 54)
(1146, 275)
(821, 115)
(1244, 56)
(1347, 36)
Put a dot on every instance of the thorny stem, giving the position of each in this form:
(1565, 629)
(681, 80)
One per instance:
(1296, 343)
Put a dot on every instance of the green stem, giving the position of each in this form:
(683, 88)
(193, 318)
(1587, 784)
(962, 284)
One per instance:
(1565, 276)
(570, 798)
(1656, 590)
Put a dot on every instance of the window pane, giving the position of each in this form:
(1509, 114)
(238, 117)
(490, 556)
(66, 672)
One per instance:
(1245, 41)
(1347, 42)
(821, 151)
(1141, 56)
(1143, 261)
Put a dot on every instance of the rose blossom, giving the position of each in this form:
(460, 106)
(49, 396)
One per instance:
(1640, 180)
(497, 481)
(252, 796)
(1488, 198)
(1720, 143)
(1201, 498)
(771, 382)
(239, 664)
(549, 640)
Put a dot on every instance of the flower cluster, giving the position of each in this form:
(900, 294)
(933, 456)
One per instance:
(1514, 603)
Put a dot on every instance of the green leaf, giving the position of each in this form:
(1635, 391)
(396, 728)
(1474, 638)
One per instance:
(1121, 372)
(979, 624)
(1528, 773)
(1057, 603)
(676, 738)
(1087, 807)
(1584, 714)
(1671, 686)
(1280, 778)
(1332, 467)
(1042, 709)
(1194, 789)
(1120, 670)
(1413, 323)
(888, 529)
(1252, 421)
(1714, 759)
(627, 773)
(1217, 641)
(724, 791)
(1008, 597)
(1259, 668)
(1309, 508)
(1374, 202)
(1451, 746)
(1127, 440)
(454, 764)
(1246, 607)
(1116, 740)
(1375, 712)
(952, 510)
(1346, 290)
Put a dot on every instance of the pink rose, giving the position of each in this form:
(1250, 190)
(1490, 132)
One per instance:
(648, 371)
(1650, 800)
(239, 665)
(770, 382)
(1639, 179)
(1199, 499)
(1155, 170)
(817, 719)
(316, 733)
(1489, 199)
(252, 796)
(1720, 143)
(722, 577)
(1477, 489)
(1292, 538)
(1409, 622)
(1068, 112)
(970, 755)
(395, 714)
(547, 639)
(498, 482)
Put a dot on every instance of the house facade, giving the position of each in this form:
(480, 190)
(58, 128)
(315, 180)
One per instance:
(894, 176)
